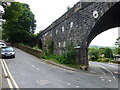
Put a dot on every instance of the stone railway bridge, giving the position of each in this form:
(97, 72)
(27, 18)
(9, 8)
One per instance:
(80, 25)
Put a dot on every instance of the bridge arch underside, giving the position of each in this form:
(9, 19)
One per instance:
(110, 19)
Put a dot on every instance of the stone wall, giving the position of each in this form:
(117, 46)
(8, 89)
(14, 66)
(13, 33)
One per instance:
(29, 50)
(73, 26)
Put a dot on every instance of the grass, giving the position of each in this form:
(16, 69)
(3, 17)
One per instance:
(36, 48)
(59, 60)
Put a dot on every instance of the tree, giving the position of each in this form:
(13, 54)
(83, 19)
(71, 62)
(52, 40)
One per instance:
(117, 42)
(118, 50)
(94, 53)
(20, 23)
(108, 53)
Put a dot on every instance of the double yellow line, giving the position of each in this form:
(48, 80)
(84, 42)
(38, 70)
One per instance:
(9, 76)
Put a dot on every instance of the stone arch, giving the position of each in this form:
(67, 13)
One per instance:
(110, 19)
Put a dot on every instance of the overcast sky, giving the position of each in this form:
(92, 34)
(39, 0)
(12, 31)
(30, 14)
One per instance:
(47, 11)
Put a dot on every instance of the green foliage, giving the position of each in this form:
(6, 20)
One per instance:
(20, 23)
(99, 60)
(117, 41)
(117, 50)
(69, 54)
(53, 57)
(108, 53)
(100, 54)
(36, 48)
(68, 57)
(59, 58)
(106, 60)
(103, 60)
(0, 33)
(51, 47)
(94, 53)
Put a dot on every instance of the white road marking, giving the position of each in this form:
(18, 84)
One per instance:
(16, 86)
(33, 66)
(43, 82)
(37, 68)
(77, 86)
(63, 69)
(42, 62)
(104, 73)
(69, 83)
(108, 71)
(8, 80)
(103, 79)
(106, 77)
(92, 72)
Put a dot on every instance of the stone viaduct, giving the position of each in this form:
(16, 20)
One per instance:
(80, 25)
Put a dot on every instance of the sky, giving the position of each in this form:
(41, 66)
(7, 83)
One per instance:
(47, 11)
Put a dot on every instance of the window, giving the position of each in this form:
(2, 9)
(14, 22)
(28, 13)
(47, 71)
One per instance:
(63, 29)
(56, 31)
(64, 44)
(59, 44)
(51, 34)
(71, 24)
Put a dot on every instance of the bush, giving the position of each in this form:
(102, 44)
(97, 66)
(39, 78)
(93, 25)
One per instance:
(108, 53)
(99, 60)
(69, 57)
(100, 57)
(94, 53)
(36, 48)
(103, 60)
(51, 47)
(106, 60)
(117, 50)
(92, 58)
(66, 58)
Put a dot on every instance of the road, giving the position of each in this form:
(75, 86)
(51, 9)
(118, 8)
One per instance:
(28, 71)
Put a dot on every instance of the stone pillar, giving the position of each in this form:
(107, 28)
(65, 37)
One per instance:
(82, 57)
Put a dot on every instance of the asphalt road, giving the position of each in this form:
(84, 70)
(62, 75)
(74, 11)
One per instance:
(31, 72)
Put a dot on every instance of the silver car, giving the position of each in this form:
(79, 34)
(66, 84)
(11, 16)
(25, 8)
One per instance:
(7, 52)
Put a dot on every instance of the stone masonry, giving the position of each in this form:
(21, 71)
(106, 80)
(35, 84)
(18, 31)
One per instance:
(75, 26)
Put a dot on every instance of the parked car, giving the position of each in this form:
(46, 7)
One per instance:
(2, 44)
(7, 52)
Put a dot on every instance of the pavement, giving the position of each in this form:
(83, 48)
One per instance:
(93, 67)
(60, 65)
